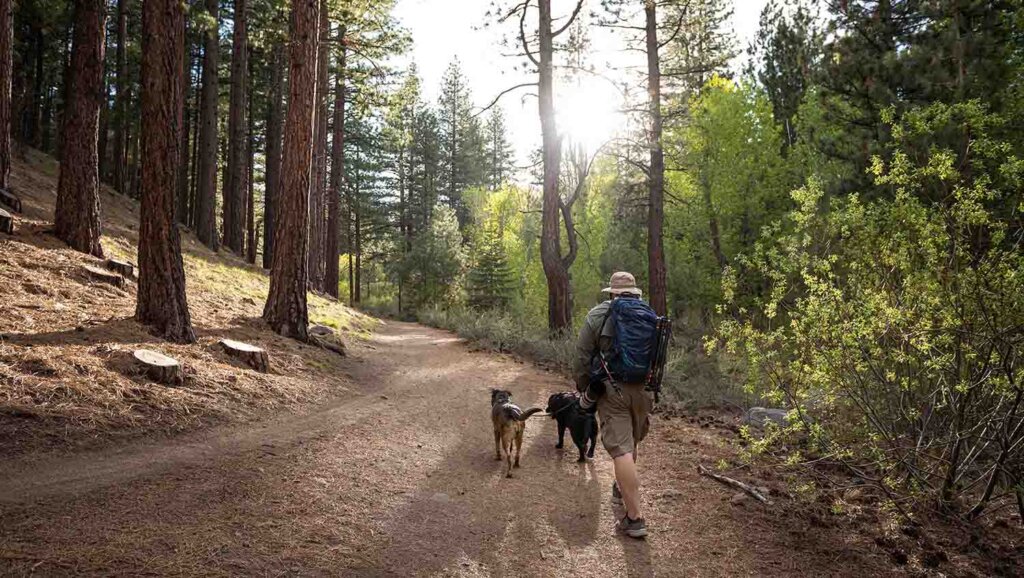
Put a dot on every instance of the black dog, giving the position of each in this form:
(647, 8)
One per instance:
(582, 425)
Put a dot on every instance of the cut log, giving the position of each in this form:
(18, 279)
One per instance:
(11, 200)
(751, 490)
(105, 276)
(122, 267)
(159, 367)
(6, 222)
(253, 356)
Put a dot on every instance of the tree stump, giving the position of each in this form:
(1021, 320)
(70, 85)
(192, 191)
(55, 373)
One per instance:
(122, 267)
(11, 200)
(6, 222)
(253, 356)
(105, 276)
(159, 367)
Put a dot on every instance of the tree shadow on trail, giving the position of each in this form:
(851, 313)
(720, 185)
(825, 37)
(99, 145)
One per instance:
(469, 518)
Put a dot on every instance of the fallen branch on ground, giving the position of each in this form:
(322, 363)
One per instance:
(751, 490)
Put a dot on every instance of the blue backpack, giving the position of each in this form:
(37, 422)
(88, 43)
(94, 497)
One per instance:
(634, 349)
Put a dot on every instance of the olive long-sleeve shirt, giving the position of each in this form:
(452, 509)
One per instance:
(595, 334)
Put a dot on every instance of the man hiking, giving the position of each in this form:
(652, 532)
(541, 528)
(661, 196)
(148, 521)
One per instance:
(623, 404)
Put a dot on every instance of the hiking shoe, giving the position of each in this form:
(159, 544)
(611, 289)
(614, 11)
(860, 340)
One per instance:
(616, 494)
(633, 528)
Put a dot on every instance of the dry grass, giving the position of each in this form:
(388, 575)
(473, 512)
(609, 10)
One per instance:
(66, 372)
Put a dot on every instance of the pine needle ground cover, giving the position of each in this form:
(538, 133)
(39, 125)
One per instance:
(66, 370)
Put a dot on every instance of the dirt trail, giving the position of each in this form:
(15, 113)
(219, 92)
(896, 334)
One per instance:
(397, 480)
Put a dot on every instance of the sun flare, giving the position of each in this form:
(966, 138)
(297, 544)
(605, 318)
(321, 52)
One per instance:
(589, 112)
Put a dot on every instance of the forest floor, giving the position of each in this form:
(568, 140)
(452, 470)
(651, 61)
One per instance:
(376, 464)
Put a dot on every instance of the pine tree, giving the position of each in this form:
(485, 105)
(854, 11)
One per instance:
(77, 215)
(206, 191)
(898, 54)
(235, 185)
(286, 310)
(462, 145)
(161, 303)
(6, 75)
(498, 150)
(786, 56)
(491, 281)
(703, 46)
(121, 100)
(275, 127)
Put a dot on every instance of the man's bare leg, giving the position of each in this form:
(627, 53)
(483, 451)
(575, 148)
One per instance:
(629, 484)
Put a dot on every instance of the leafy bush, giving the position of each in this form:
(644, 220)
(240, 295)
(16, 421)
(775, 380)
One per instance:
(892, 327)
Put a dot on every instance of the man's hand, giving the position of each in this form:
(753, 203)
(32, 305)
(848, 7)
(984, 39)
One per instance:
(582, 383)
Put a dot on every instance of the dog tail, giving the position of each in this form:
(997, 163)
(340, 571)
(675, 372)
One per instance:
(526, 414)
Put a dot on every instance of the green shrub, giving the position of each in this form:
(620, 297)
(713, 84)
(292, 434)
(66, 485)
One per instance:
(893, 326)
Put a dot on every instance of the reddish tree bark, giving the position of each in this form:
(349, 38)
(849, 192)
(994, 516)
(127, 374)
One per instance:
(121, 100)
(559, 313)
(317, 190)
(250, 197)
(77, 215)
(6, 73)
(286, 309)
(272, 184)
(184, 204)
(161, 299)
(656, 271)
(206, 192)
(331, 273)
(234, 178)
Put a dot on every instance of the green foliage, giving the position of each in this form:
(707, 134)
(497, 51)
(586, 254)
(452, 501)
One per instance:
(491, 281)
(892, 325)
(736, 177)
(785, 56)
(462, 142)
(436, 262)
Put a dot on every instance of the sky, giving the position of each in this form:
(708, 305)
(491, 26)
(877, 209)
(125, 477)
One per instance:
(443, 30)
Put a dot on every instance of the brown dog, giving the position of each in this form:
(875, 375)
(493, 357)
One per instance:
(509, 424)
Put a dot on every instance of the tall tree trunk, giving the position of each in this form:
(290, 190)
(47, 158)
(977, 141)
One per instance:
(193, 186)
(6, 74)
(77, 215)
(559, 314)
(134, 165)
(121, 99)
(358, 232)
(357, 238)
(286, 310)
(102, 161)
(272, 184)
(20, 101)
(331, 277)
(34, 133)
(206, 194)
(349, 243)
(250, 199)
(656, 272)
(161, 299)
(317, 190)
(183, 151)
(234, 176)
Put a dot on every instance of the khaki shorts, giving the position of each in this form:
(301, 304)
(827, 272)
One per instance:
(625, 418)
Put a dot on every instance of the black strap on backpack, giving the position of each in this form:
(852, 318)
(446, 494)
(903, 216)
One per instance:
(663, 336)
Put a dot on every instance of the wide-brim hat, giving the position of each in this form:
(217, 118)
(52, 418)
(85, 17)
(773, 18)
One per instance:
(622, 283)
